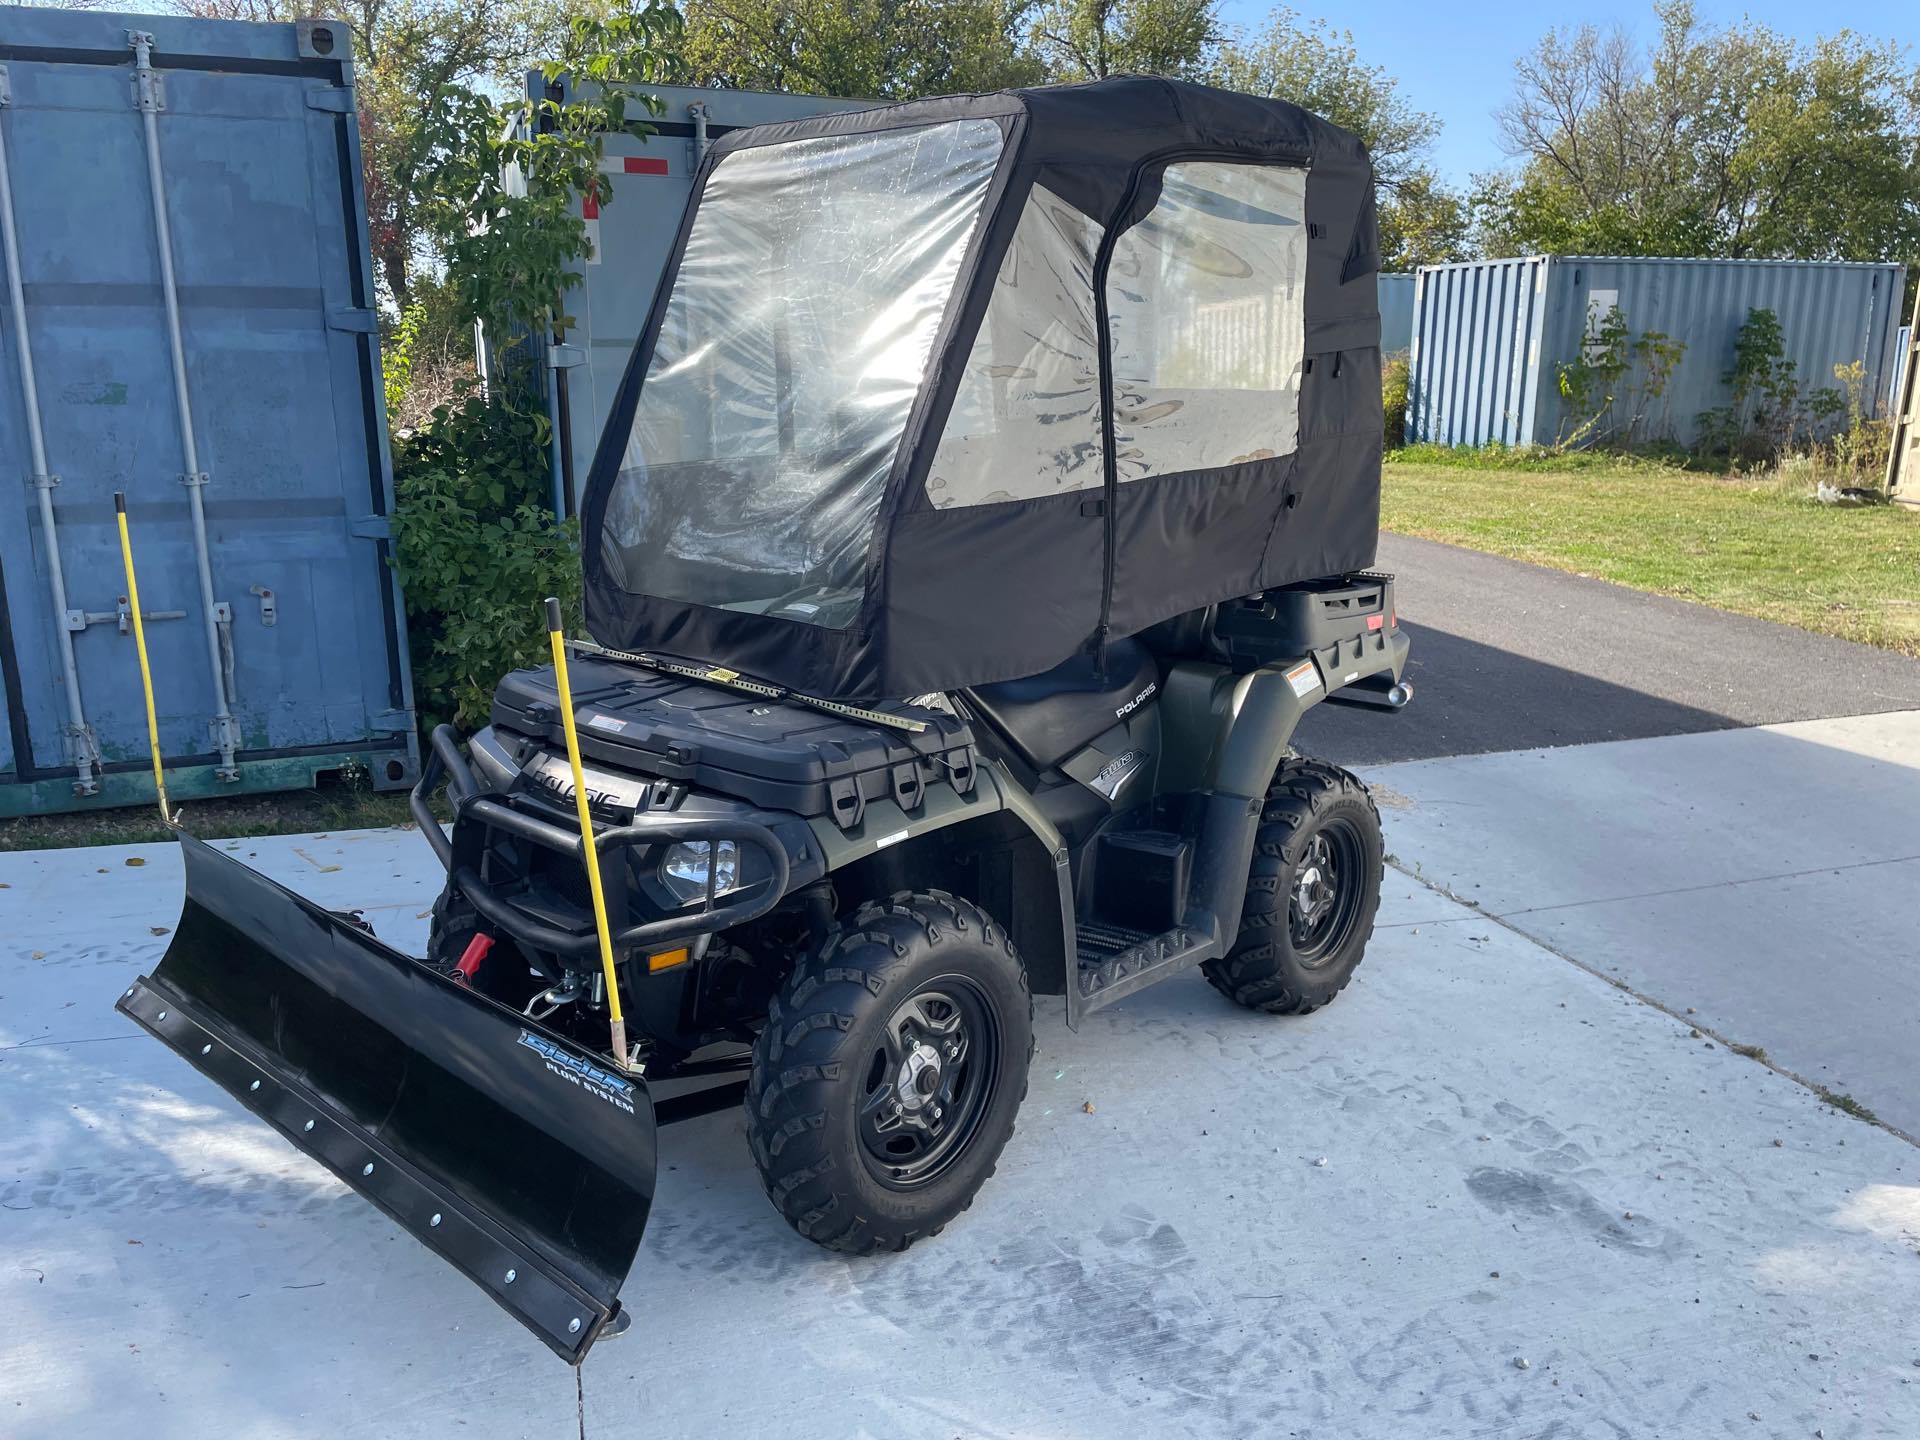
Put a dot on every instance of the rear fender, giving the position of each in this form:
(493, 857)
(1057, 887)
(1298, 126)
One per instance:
(1254, 717)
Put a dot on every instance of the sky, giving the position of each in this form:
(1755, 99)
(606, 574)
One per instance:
(1456, 60)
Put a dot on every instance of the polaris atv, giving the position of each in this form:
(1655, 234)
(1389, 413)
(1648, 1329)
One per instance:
(990, 492)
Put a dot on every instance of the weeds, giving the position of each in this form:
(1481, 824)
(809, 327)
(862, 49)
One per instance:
(1847, 1103)
(1546, 459)
(332, 807)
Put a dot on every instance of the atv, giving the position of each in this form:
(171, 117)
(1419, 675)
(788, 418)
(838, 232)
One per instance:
(993, 487)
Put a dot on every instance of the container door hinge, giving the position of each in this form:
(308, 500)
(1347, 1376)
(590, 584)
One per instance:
(77, 742)
(330, 98)
(565, 357)
(224, 732)
(149, 87)
(6, 89)
(371, 527)
(352, 320)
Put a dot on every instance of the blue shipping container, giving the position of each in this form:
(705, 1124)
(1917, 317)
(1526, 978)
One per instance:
(1396, 312)
(253, 454)
(1490, 335)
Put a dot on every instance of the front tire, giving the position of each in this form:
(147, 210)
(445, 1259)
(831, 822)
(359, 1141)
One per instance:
(1312, 894)
(885, 1083)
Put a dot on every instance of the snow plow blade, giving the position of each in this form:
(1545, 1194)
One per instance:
(513, 1153)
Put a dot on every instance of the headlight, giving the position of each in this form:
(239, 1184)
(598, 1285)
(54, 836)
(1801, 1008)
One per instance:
(683, 870)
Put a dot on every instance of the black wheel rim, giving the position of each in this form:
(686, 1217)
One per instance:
(929, 1083)
(1323, 900)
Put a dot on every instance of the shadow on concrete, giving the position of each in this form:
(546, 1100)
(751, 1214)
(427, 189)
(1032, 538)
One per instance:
(1471, 698)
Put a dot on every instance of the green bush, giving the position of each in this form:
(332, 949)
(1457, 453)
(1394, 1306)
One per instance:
(1393, 399)
(478, 550)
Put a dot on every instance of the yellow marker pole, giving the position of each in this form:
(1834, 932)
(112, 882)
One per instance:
(589, 852)
(140, 645)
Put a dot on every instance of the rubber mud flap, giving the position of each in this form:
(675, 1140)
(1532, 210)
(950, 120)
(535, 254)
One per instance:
(513, 1153)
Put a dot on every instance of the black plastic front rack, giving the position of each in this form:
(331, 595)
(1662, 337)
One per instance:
(470, 801)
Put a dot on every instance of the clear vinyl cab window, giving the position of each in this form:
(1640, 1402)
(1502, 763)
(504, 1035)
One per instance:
(1206, 301)
(793, 345)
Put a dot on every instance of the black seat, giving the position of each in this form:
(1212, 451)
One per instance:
(1047, 717)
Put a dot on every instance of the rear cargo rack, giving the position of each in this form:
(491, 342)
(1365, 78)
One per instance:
(1304, 619)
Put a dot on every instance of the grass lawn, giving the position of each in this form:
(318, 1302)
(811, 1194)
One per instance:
(296, 812)
(1755, 547)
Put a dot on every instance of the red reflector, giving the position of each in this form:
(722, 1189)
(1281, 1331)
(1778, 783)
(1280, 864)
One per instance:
(633, 165)
(1375, 622)
(469, 963)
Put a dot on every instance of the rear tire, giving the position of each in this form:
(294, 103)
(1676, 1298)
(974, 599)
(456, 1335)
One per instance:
(885, 1083)
(1312, 894)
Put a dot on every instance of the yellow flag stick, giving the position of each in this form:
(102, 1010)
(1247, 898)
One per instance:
(140, 645)
(588, 850)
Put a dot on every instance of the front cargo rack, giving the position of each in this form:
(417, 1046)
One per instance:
(779, 752)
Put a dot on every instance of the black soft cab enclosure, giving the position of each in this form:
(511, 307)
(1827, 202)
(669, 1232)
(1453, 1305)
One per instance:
(1126, 367)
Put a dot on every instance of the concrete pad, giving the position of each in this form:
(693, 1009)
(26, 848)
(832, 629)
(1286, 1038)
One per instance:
(67, 917)
(1768, 878)
(1521, 1163)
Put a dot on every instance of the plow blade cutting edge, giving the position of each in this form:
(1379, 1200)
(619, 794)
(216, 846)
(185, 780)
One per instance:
(513, 1153)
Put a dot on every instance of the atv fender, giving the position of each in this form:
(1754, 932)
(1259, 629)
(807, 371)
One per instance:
(885, 824)
(516, 1155)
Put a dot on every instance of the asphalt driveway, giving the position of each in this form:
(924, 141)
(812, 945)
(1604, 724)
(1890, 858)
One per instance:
(1510, 656)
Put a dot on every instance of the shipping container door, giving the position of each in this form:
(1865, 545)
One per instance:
(257, 175)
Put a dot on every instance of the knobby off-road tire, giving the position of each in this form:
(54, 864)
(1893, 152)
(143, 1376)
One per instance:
(454, 924)
(885, 1083)
(1312, 894)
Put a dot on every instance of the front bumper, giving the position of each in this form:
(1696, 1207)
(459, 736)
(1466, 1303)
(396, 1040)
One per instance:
(479, 809)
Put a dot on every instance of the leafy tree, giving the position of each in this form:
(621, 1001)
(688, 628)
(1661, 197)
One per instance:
(1316, 66)
(1092, 39)
(499, 181)
(878, 49)
(1735, 142)
(1422, 223)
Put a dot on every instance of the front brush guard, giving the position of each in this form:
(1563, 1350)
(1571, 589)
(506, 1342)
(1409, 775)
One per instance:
(470, 801)
(514, 1154)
